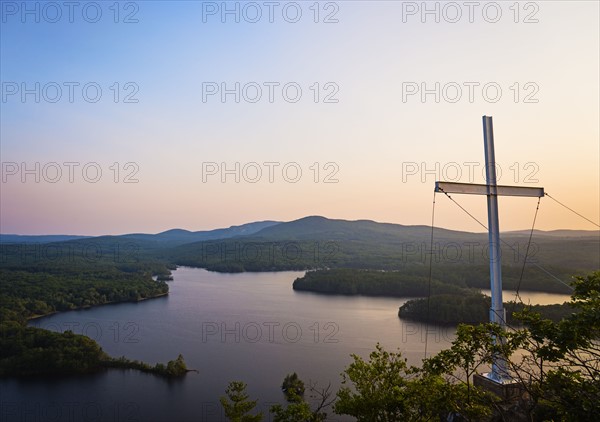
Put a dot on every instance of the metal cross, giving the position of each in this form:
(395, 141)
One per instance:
(492, 191)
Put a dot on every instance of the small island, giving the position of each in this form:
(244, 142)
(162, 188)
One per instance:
(347, 281)
(472, 308)
(174, 368)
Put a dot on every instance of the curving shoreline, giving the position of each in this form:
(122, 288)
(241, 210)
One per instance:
(114, 302)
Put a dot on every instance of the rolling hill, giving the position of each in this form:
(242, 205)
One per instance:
(316, 242)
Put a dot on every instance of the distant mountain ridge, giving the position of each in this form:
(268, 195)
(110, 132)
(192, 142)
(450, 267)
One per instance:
(304, 228)
(556, 233)
(171, 237)
(318, 242)
(48, 238)
(180, 236)
(335, 229)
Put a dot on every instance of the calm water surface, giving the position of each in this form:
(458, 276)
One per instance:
(250, 326)
(534, 298)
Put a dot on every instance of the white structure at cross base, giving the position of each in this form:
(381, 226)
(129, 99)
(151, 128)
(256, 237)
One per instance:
(499, 372)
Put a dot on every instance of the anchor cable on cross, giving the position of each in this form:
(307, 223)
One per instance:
(492, 190)
(504, 242)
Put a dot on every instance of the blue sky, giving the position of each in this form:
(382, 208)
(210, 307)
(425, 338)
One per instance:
(371, 135)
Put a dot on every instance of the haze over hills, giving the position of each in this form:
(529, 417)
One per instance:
(358, 230)
(304, 228)
(555, 233)
(49, 238)
(180, 236)
(172, 237)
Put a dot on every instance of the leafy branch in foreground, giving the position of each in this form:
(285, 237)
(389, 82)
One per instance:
(560, 364)
(385, 388)
(557, 364)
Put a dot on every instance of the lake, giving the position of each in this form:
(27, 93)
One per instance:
(251, 327)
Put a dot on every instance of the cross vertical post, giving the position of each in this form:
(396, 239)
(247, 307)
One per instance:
(497, 312)
(492, 190)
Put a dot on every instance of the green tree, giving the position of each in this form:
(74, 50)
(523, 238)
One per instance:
(293, 387)
(237, 404)
(298, 409)
(177, 367)
(473, 347)
(385, 389)
(558, 365)
(379, 388)
(561, 369)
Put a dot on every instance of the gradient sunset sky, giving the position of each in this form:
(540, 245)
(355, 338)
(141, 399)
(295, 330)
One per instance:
(377, 139)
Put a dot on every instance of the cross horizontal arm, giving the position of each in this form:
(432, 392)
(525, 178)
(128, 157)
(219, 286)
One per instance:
(475, 189)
